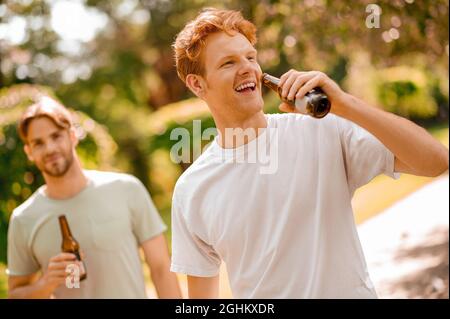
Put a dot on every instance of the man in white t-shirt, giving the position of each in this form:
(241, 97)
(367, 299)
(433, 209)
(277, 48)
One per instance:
(283, 227)
(111, 215)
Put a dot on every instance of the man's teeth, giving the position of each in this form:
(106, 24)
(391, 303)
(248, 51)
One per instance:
(244, 86)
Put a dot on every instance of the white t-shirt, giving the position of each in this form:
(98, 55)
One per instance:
(289, 233)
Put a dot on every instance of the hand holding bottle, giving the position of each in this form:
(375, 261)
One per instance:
(296, 84)
(55, 274)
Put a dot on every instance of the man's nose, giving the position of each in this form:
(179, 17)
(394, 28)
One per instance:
(50, 147)
(247, 67)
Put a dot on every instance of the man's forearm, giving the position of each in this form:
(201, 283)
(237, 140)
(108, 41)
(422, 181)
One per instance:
(166, 285)
(410, 143)
(37, 290)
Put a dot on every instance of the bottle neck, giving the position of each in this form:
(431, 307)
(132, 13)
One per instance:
(271, 82)
(64, 226)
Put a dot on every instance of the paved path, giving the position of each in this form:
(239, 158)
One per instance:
(406, 246)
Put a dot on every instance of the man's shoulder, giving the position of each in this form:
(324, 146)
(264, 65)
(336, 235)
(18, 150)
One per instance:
(276, 119)
(185, 182)
(193, 176)
(284, 117)
(31, 207)
(107, 178)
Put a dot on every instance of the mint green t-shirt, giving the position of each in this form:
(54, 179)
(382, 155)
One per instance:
(109, 218)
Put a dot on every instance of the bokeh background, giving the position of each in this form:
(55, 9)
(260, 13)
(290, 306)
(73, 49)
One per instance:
(111, 62)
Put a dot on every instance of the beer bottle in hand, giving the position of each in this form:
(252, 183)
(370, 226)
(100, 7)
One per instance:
(70, 245)
(315, 103)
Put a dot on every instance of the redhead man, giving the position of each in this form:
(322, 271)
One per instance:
(289, 233)
(111, 215)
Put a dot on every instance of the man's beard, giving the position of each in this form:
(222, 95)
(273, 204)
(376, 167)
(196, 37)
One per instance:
(58, 170)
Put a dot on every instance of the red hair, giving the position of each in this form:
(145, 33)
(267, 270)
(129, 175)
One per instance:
(191, 40)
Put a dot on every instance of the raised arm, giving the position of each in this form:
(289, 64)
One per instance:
(416, 151)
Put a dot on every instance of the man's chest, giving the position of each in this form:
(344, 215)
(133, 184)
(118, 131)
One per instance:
(98, 225)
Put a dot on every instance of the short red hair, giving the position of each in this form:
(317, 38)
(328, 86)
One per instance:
(190, 41)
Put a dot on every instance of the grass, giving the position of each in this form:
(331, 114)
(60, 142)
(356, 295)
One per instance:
(3, 281)
(382, 192)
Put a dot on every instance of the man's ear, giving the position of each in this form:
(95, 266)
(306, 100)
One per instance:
(196, 84)
(27, 150)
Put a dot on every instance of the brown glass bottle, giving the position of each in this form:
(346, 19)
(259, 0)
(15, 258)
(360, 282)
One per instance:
(315, 103)
(70, 244)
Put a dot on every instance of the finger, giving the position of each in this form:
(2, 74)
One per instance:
(58, 274)
(284, 107)
(284, 77)
(63, 257)
(61, 265)
(56, 277)
(298, 83)
(308, 86)
(287, 85)
(57, 281)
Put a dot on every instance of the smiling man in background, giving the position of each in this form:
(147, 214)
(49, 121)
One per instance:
(110, 214)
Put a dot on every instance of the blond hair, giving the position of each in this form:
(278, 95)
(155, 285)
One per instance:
(45, 107)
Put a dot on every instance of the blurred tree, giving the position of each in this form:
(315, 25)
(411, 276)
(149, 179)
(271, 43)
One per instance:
(128, 44)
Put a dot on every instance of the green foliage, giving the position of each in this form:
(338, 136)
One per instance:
(3, 282)
(18, 179)
(406, 91)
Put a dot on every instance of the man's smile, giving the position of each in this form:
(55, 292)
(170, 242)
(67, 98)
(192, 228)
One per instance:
(246, 87)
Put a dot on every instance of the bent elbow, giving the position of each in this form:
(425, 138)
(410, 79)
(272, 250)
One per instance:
(441, 166)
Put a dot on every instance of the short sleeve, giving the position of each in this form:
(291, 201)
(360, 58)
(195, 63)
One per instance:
(190, 254)
(145, 219)
(365, 156)
(21, 261)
